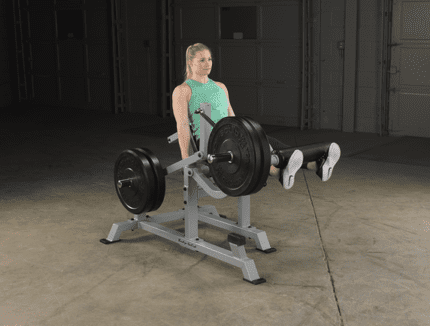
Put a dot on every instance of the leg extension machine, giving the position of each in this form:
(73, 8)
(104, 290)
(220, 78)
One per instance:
(196, 186)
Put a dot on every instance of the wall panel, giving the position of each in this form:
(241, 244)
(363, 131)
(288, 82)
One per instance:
(368, 67)
(44, 58)
(331, 64)
(143, 61)
(6, 59)
(98, 59)
(100, 92)
(410, 69)
(42, 23)
(71, 54)
(62, 68)
(73, 90)
(97, 27)
(262, 72)
(45, 89)
(284, 21)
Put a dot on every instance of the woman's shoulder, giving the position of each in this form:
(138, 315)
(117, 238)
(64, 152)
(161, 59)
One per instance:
(187, 89)
(184, 87)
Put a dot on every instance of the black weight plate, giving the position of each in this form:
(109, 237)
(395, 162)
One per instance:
(237, 178)
(264, 157)
(160, 178)
(257, 156)
(138, 198)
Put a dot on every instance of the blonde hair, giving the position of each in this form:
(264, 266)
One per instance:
(190, 55)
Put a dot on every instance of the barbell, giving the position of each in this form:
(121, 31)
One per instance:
(239, 160)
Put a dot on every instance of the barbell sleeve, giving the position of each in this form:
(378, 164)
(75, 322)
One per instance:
(228, 157)
(124, 183)
(275, 160)
(222, 157)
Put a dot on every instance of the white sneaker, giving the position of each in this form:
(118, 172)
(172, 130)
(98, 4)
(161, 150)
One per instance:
(294, 164)
(328, 162)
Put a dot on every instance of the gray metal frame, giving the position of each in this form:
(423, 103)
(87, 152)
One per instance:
(196, 186)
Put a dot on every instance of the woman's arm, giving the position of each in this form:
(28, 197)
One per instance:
(180, 110)
(230, 109)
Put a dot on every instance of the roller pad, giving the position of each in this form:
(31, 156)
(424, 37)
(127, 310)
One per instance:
(107, 241)
(237, 239)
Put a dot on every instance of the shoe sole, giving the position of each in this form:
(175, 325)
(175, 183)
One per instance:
(294, 164)
(332, 158)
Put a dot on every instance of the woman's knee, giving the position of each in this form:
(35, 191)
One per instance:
(274, 171)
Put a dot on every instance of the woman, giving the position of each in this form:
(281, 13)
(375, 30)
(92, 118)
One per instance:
(199, 88)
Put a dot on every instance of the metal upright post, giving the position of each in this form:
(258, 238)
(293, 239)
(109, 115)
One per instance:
(20, 55)
(114, 53)
(119, 30)
(305, 115)
(309, 60)
(163, 58)
(170, 52)
(167, 57)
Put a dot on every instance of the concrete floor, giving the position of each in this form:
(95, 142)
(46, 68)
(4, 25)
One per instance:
(350, 251)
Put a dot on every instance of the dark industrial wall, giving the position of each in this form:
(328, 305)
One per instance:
(262, 68)
(68, 53)
(332, 62)
(369, 67)
(76, 70)
(6, 59)
(269, 102)
(144, 54)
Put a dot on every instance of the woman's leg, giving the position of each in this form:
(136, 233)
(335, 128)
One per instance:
(320, 157)
(277, 145)
(292, 162)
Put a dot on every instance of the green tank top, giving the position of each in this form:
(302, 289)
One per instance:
(206, 93)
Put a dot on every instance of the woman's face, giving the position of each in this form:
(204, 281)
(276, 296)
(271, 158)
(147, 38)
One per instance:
(202, 63)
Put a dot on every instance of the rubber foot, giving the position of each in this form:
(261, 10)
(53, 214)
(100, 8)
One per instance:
(256, 282)
(105, 241)
(267, 251)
